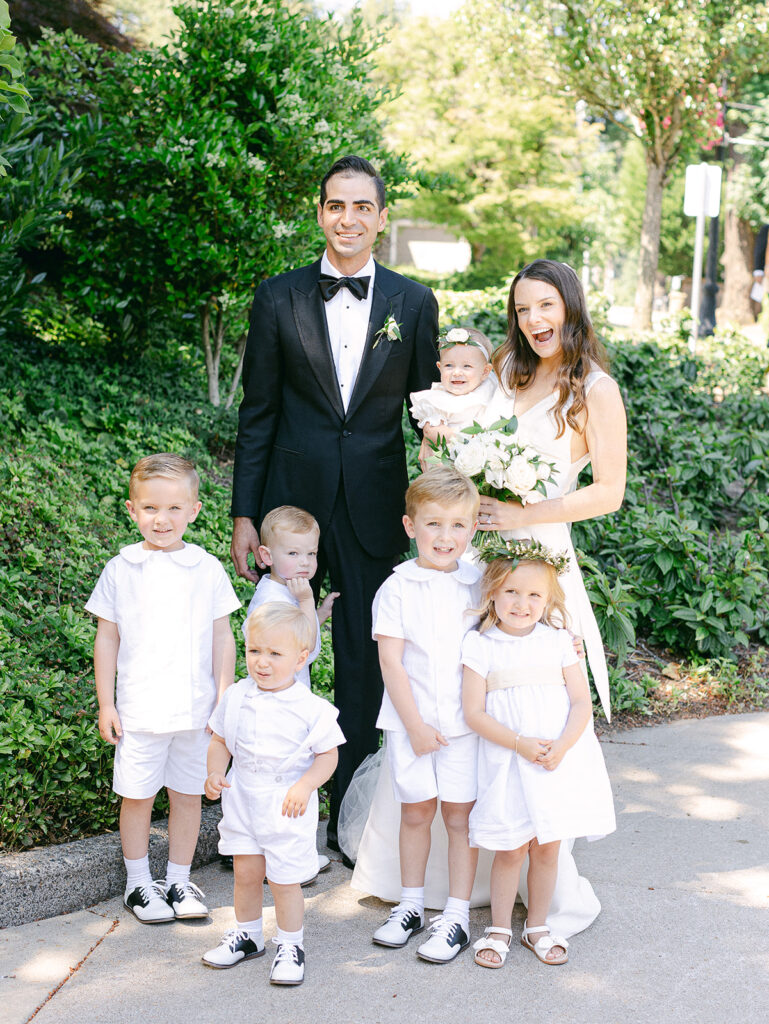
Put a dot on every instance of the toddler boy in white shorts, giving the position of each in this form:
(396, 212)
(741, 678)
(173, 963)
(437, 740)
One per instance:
(163, 610)
(419, 620)
(283, 741)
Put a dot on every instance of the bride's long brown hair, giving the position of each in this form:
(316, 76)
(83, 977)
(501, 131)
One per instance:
(515, 363)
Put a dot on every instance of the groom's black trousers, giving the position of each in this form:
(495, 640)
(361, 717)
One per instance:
(357, 676)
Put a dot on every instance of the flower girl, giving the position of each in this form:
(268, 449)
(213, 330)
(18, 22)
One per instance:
(541, 773)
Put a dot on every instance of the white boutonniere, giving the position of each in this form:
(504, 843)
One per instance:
(390, 329)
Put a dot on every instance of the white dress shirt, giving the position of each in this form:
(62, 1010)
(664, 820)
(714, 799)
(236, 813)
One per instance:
(347, 319)
(427, 608)
(164, 604)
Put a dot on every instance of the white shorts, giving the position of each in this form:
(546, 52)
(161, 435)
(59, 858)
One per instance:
(450, 773)
(145, 762)
(252, 824)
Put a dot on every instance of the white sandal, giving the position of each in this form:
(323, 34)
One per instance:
(542, 946)
(494, 945)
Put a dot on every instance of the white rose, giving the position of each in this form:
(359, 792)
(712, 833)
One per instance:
(470, 459)
(458, 336)
(520, 476)
(496, 480)
(494, 459)
(532, 498)
(543, 471)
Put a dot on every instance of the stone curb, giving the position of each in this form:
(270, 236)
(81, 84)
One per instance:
(56, 880)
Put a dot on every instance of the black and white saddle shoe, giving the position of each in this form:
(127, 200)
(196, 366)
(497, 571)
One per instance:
(235, 948)
(288, 965)
(402, 923)
(148, 904)
(186, 900)
(447, 939)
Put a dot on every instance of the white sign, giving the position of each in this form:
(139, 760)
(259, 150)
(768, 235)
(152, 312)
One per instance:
(703, 190)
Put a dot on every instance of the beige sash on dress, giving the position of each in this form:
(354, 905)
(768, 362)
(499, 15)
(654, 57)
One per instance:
(504, 678)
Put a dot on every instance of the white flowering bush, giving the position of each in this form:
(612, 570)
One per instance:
(201, 163)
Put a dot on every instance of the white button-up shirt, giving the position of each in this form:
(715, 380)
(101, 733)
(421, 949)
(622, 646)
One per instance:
(427, 609)
(272, 725)
(347, 319)
(164, 604)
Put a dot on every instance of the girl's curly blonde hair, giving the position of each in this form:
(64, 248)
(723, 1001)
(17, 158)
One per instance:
(495, 574)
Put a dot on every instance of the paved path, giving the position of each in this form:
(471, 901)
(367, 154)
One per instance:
(682, 936)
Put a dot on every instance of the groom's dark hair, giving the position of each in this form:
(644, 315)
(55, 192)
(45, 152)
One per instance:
(347, 166)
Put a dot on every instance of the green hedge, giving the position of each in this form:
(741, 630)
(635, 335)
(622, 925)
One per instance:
(685, 561)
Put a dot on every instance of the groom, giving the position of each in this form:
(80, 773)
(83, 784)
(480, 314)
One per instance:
(333, 350)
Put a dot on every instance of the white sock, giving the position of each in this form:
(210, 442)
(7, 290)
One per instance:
(253, 929)
(458, 910)
(292, 938)
(179, 873)
(137, 872)
(414, 898)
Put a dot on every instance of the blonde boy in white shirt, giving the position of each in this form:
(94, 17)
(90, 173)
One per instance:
(283, 741)
(419, 621)
(163, 610)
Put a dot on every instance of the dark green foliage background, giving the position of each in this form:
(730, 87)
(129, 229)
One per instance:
(684, 562)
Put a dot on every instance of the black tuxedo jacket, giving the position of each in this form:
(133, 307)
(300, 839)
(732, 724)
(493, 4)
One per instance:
(296, 445)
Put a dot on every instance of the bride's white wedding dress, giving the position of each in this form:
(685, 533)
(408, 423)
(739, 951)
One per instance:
(377, 871)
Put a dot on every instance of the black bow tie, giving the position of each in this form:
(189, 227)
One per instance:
(329, 286)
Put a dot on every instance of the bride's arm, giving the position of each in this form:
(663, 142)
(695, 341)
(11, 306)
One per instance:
(606, 439)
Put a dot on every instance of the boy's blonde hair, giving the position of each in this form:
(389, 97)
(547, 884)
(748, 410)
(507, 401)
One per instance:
(288, 518)
(480, 339)
(279, 614)
(166, 464)
(495, 574)
(444, 485)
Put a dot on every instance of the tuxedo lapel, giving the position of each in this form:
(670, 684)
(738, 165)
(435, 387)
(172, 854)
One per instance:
(385, 303)
(311, 326)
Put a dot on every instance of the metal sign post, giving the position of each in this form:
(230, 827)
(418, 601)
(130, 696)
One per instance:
(702, 198)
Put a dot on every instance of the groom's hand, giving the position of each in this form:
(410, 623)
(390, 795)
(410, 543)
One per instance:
(245, 539)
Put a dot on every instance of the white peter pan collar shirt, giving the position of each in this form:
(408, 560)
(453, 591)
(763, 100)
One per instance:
(273, 725)
(427, 609)
(164, 604)
(347, 320)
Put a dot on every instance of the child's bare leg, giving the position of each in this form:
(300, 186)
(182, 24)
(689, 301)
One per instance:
(543, 871)
(463, 859)
(289, 906)
(249, 880)
(135, 817)
(183, 826)
(414, 841)
(505, 872)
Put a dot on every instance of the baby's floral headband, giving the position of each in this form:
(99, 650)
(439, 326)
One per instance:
(461, 336)
(515, 551)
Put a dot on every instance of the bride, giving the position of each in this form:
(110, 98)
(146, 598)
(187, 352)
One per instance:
(570, 409)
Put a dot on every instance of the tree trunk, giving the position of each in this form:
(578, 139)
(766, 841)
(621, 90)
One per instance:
(736, 307)
(212, 356)
(241, 350)
(656, 176)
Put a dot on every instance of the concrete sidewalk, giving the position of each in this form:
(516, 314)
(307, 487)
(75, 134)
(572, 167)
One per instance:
(684, 884)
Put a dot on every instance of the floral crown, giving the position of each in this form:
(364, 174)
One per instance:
(515, 551)
(461, 336)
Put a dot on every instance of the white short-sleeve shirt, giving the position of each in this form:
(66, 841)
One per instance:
(427, 609)
(268, 589)
(271, 726)
(164, 604)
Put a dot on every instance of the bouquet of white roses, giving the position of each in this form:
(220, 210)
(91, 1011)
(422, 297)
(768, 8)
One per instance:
(500, 464)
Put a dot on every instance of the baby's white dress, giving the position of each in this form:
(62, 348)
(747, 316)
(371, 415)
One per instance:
(485, 405)
(518, 800)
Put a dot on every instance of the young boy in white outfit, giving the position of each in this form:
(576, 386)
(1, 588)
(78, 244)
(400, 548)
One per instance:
(283, 741)
(419, 620)
(289, 546)
(163, 608)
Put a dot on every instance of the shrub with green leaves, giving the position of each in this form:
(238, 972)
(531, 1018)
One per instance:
(202, 160)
